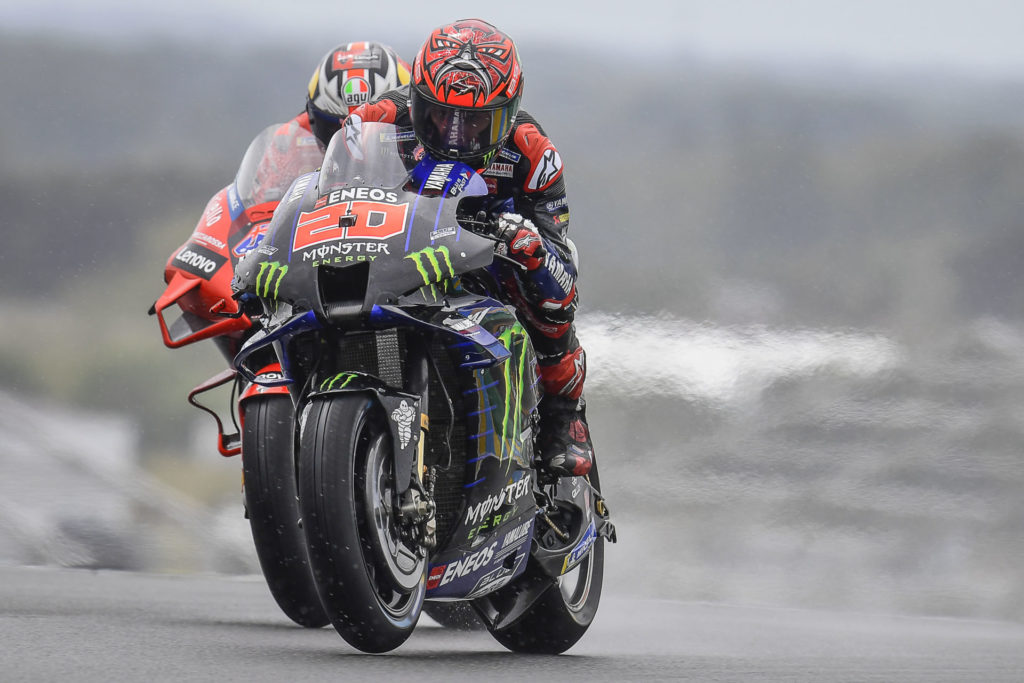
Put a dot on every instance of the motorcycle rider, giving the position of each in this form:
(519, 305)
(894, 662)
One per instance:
(346, 77)
(463, 104)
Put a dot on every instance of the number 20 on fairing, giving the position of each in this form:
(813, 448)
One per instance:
(370, 220)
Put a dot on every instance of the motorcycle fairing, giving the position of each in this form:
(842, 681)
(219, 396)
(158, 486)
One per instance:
(199, 272)
(271, 372)
(346, 216)
(227, 444)
(491, 559)
(475, 346)
(277, 337)
(576, 495)
(504, 396)
(190, 326)
(401, 408)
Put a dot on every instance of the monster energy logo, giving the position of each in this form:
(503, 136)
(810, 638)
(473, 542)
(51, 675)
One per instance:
(431, 268)
(343, 377)
(515, 385)
(266, 275)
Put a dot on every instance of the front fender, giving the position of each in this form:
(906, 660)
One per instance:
(268, 374)
(401, 409)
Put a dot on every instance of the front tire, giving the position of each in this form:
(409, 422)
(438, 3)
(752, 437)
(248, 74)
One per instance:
(271, 499)
(370, 581)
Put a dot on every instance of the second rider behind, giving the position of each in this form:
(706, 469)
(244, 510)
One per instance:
(463, 105)
(347, 76)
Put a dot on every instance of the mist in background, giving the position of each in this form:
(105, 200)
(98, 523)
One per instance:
(801, 235)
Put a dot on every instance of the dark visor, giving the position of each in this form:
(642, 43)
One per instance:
(458, 133)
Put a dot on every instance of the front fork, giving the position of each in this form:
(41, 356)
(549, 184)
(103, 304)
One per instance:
(416, 506)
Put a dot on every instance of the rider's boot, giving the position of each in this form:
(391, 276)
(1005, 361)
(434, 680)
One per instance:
(564, 448)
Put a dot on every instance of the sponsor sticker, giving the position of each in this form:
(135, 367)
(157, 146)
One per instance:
(434, 264)
(355, 91)
(403, 416)
(235, 206)
(497, 577)
(500, 170)
(268, 279)
(208, 239)
(468, 564)
(460, 184)
(213, 212)
(580, 551)
(434, 577)
(344, 252)
(438, 177)
(199, 261)
(506, 496)
(356, 59)
(556, 204)
(299, 188)
(547, 169)
(403, 136)
(458, 324)
(443, 232)
(517, 535)
(506, 153)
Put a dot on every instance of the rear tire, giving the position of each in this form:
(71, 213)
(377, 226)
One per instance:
(563, 613)
(370, 582)
(271, 499)
(565, 608)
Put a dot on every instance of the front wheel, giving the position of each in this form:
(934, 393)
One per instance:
(271, 501)
(370, 581)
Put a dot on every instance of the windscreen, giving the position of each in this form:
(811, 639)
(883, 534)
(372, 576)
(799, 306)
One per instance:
(278, 155)
(366, 154)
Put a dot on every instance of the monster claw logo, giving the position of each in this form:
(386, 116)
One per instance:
(266, 277)
(439, 270)
(343, 377)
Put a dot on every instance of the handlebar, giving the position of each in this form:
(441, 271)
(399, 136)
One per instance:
(480, 224)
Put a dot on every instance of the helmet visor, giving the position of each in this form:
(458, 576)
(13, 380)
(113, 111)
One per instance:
(324, 125)
(458, 133)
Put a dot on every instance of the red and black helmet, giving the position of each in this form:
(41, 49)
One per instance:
(466, 86)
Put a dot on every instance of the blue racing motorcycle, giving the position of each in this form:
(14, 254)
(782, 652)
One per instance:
(416, 402)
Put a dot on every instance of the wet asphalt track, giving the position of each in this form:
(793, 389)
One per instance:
(76, 625)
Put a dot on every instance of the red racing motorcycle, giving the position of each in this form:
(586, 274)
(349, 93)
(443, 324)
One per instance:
(197, 305)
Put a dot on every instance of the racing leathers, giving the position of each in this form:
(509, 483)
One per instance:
(527, 197)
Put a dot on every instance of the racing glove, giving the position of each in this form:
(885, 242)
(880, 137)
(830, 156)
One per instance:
(522, 239)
